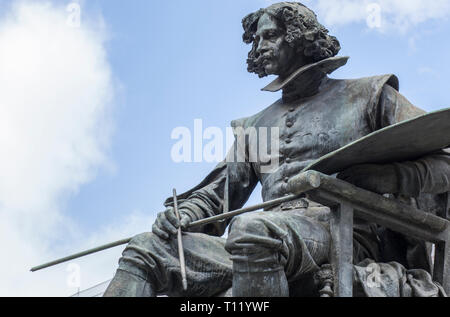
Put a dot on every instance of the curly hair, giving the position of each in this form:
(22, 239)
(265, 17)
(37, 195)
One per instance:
(302, 32)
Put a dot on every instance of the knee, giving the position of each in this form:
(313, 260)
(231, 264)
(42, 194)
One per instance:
(142, 238)
(140, 247)
(139, 257)
(248, 234)
(247, 224)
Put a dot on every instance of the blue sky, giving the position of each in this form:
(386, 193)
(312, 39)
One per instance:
(166, 63)
(179, 61)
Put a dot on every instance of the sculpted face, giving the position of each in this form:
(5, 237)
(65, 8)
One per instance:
(274, 53)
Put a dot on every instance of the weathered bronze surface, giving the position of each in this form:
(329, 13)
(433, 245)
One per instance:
(345, 222)
(429, 133)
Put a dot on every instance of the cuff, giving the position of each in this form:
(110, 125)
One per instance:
(409, 183)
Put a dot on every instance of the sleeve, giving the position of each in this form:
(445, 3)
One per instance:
(208, 198)
(428, 175)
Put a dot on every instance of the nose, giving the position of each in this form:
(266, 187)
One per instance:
(262, 46)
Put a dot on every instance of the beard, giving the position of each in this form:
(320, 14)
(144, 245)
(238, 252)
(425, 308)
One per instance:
(268, 62)
(259, 63)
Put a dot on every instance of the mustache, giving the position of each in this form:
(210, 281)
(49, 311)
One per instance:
(263, 58)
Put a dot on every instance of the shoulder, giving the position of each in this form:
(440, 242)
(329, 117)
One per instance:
(374, 82)
(252, 121)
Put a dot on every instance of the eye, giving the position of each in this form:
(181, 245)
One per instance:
(271, 34)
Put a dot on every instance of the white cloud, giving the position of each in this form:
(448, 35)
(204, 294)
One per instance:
(428, 71)
(56, 92)
(396, 15)
(100, 267)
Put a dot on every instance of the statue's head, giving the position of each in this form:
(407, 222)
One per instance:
(286, 36)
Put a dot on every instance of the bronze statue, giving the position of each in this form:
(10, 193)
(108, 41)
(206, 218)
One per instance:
(279, 251)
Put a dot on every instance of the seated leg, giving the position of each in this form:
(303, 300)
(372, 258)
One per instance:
(271, 248)
(150, 266)
(125, 284)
